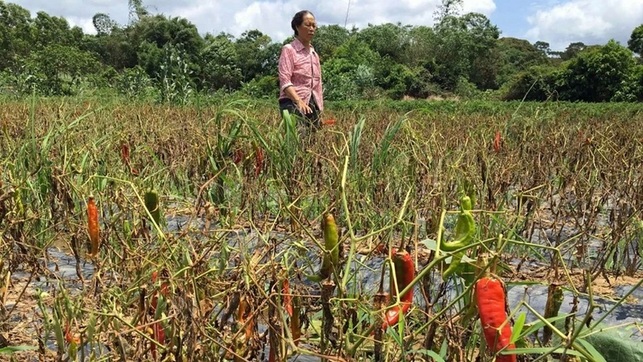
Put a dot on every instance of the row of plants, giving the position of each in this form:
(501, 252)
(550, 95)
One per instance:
(202, 226)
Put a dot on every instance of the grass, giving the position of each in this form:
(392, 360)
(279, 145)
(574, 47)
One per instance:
(563, 190)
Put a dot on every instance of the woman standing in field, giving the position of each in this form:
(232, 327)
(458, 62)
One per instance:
(300, 81)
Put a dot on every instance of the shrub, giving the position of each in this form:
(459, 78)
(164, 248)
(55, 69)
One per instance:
(538, 83)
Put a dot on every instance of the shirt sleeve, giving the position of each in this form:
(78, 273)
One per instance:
(319, 89)
(286, 65)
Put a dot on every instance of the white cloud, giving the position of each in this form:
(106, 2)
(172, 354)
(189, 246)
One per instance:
(253, 16)
(84, 23)
(479, 6)
(271, 17)
(408, 12)
(558, 22)
(589, 21)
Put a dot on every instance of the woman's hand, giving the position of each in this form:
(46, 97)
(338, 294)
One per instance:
(303, 107)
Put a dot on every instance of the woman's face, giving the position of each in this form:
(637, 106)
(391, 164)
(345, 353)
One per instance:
(307, 28)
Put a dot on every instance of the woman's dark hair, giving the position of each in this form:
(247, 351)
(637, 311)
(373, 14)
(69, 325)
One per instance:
(298, 19)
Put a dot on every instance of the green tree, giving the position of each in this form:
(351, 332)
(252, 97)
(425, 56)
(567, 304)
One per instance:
(328, 38)
(387, 40)
(598, 73)
(15, 35)
(103, 24)
(448, 8)
(635, 43)
(257, 55)
(543, 47)
(536, 83)
(572, 50)
(117, 49)
(156, 36)
(517, 55)
(350, 74)
(637, 82)
(59, 69)
(161, 30)
(460, 41)
(137, 10)
(47, 30)
(219, 63)
(393, 77)
(423, 42)
(631, 89)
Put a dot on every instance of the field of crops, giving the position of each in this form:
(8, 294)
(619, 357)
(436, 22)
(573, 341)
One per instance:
(135, 231)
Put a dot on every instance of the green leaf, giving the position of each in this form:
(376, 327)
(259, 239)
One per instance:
(588, 346)
(396, 336)
(541, 351)
(430, 244)
(520, 323)
(13, 349)
(536, 326)
(434, 356)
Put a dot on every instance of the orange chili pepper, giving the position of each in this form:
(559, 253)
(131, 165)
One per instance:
(287, 297)
(329, 122)
(92, 227)
(497, 142)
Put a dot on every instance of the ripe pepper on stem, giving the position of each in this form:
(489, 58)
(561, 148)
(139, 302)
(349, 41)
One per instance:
(158, 332)
(93, 227)
(490, 296)
(404, 275)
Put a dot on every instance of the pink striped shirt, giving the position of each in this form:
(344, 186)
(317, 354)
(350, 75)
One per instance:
(300, 68)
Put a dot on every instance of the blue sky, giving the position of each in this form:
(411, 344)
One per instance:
(510, 16)
(558, 22)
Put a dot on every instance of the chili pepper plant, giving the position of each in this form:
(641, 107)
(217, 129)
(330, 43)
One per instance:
(222, 231)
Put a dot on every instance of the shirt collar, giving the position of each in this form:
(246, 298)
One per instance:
(297, 44)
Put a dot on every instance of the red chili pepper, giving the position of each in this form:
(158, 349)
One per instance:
(491, 303)
(237, 156)
(157, 329)
(404, 274)
(70, 337)
(159, 335)
(92, 227)
(164, 289)
(287, 297)
(125, 153)
(295, 322)
(497, 142)
(259, 160)
(125, 157)
(329, 122)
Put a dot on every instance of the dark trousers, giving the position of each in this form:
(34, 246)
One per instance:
(311, 120)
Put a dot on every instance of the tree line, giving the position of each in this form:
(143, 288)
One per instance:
(165, 57)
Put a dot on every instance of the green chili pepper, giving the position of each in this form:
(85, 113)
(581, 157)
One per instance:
(152, 206)
(465, 229)
(453, 266)
(331, 246)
